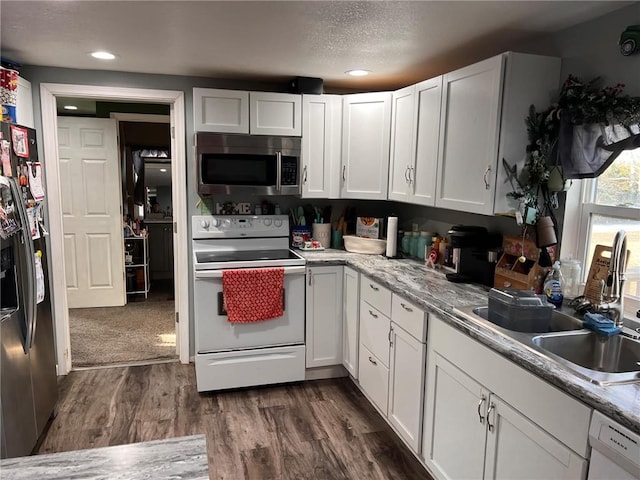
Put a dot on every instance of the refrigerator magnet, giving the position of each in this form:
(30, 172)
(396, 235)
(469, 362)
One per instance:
(19, 138)
(32, 214)
(8, 213)
(35, 180)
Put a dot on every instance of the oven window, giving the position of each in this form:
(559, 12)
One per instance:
(238, 169)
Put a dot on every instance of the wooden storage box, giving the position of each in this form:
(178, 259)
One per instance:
(511, 273)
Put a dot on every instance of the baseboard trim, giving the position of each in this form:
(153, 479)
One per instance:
(320, 373)
(128, 364)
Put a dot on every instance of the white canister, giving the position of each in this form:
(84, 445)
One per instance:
(321, 232)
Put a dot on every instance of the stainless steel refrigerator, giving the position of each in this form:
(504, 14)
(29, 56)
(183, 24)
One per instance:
(28, 364)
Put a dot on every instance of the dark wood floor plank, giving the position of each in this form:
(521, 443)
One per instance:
(323, 429)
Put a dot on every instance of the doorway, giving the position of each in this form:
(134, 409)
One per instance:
(175, 100)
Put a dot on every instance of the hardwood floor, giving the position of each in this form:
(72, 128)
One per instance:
(323, 429)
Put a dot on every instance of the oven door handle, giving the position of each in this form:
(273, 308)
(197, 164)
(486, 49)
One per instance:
(218, 273)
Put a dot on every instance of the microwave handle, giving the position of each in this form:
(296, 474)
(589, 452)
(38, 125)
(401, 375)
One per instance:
(278, 171)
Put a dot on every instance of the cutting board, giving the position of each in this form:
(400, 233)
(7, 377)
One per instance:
(598, 272)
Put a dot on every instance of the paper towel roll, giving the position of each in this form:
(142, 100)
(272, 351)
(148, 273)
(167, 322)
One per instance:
(392, 236)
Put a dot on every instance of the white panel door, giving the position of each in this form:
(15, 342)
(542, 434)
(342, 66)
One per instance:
(518, 449)
(403, 133)
(406, 385)
(324, 316)
(423, 176)
(351, 320)
(275, 114)
(24, 103)
(92, 212)
(366, 128)
(454, 421)
(224, 111)
(321, 133)
(467, 158)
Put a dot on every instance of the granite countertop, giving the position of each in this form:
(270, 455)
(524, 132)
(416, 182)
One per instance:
(431, 290)
(182, 457)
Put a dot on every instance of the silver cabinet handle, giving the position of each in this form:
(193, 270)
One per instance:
(279, 170)
(480, 403)
(373, 287)
(489, 425)
(373, 361)
(411, 177)
(485, 177)
(344, 173)
(390, 336)
(408, 309)
(373, 314)
(304, 174)
(406, 175)
(310, 275)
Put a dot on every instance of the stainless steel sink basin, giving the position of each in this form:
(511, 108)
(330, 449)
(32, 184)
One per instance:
(560, 322)
(601, 360)
(615, 354)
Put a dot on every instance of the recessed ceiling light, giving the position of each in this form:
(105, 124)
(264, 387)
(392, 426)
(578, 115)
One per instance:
(357, 73)
(103, 55)
(163, 170)
(70, 107)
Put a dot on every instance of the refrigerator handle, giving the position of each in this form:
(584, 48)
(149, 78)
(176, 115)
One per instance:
(31, 304)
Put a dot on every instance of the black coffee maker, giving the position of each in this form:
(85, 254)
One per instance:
(473, 249)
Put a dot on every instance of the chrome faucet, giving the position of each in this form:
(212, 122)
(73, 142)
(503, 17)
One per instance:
(612, 291)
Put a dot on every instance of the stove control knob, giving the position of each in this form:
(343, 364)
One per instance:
(267, 222)
(215, 222)
(277, 222)
(205, 224)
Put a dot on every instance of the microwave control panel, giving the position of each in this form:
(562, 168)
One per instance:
(289, 171)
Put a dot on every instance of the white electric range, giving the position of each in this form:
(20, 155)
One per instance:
(232, 355)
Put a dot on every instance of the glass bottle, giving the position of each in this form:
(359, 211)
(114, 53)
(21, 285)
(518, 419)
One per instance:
(406, 240)
(423, 241)
(413, 245)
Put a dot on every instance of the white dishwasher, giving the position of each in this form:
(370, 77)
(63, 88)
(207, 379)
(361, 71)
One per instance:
(615, 453)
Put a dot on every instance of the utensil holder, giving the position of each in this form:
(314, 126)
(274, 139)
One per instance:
(321, 232)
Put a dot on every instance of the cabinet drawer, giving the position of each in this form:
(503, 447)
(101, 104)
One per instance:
(374, 379)
(374, 331)
(376, 295)
(413, 319)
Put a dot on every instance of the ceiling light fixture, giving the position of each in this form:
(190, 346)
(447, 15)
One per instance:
(70, 107)
(103, 55)
(358, 73)
(163, 170)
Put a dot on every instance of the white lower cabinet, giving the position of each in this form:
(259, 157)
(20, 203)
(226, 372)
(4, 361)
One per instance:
(323, 338)
(470, 431)
(406, 385)
(350, 320)
(374, 378)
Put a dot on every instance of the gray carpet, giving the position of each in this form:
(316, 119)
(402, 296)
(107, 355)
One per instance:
(110, 335)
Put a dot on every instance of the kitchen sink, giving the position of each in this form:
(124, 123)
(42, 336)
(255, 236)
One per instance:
(598, 359)
(560, 322)
(614, 354)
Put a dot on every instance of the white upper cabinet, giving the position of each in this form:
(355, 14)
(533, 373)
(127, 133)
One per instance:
(423, 176)
(403, 136)
(366, 125)
(484, 107)
(236, 111)
(321, 135)
(415, 126)
(223, 111)
(275, 114)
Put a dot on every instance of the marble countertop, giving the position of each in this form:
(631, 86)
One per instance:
(431, 290)
(182, 457)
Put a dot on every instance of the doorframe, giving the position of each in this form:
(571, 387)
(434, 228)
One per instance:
(176, 102)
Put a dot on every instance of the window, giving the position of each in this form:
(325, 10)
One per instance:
(610, 203)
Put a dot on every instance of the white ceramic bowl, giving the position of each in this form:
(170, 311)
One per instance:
(372, 246)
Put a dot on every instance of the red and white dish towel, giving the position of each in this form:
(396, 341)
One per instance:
(253, 294)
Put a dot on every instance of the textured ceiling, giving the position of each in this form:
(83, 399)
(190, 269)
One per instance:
(400, 42)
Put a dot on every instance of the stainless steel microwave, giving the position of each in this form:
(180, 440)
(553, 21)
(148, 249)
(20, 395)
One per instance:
(247, 164)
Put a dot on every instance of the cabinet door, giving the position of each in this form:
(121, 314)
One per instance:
(454, 421)
(423, 177)
(402, 156)
(406, 385)
(351, 320)
(160, 251)
(324, 316)
(24, 103)
(321, 131)
(374, 378)
(366, 127)
(224, 111)
(518, 448)
(275, 114)
(375, 332)
(468, 149)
